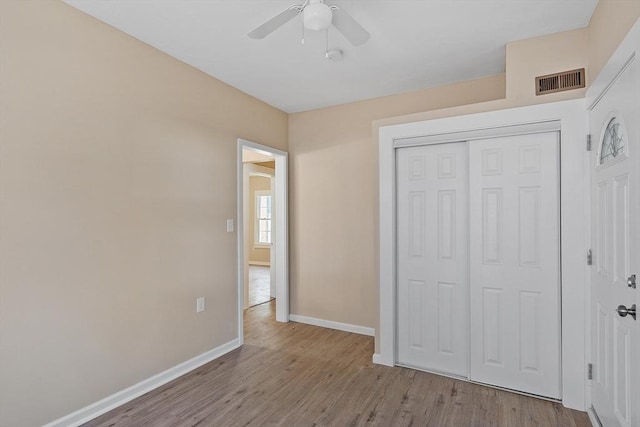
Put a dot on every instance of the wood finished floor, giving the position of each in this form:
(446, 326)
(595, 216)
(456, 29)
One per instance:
(291, 374)
(259, 284)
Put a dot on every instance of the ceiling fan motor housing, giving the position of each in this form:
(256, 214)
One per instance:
(317, 16)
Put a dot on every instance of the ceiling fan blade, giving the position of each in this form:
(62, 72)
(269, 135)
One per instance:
(348, 26)
(276, 22)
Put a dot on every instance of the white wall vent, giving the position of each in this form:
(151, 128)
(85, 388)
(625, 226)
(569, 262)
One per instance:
(558, 82)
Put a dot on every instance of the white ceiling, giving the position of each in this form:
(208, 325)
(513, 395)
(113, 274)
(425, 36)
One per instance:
(414, 44)
(250, 156)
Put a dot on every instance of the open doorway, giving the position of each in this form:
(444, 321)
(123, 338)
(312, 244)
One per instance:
(262, 229)
(258, 220)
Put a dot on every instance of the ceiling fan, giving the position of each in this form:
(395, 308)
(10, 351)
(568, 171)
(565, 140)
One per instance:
(316, 16)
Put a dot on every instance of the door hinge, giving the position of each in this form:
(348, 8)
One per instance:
(589, 257)
(589, 371)
(589, 142)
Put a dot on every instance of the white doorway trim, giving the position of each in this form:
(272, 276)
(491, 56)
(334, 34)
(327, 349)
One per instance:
(280, 242)
(573, 124)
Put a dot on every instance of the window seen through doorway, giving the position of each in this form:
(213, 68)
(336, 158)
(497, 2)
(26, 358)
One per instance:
(263, 218)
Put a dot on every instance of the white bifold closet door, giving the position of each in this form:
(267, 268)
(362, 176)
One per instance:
(515, 263)
(433, 313)
(478, 261)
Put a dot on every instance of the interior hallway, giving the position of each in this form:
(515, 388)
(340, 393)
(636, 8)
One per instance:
(292, 374)
(259, 284)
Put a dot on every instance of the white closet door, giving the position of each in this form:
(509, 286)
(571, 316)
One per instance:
(514, 263)
(433, 258)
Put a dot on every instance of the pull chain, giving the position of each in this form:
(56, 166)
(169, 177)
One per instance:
(326, 44)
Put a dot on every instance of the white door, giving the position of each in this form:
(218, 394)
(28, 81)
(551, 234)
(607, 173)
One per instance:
(615, 234)
(515, 263)
(433, 258)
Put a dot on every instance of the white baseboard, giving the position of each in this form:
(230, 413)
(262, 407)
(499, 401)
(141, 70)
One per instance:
(261, 263)
(100, 407)
(362, 330)
(378, 360)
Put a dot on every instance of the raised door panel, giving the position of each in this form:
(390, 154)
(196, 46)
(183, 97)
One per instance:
(621, 230)
(447, 318)
(415, 315)
(603, 344)
(492, 327)
(514, 263)
(417, 218)
(622, 372)
(492, 225)
(529, 226)
(447, 224)
(432, 258)
(530, 334)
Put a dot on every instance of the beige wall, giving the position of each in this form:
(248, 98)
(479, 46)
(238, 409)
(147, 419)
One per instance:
(333, 156)
(332, 195)
(333, 188)
(118, 171)
(256, 253)
(528, 59)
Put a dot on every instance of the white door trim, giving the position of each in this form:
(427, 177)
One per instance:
(280, 246)
(572, 117)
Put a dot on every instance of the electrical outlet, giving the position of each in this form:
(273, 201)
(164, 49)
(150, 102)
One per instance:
(229, 225)
(200, 304)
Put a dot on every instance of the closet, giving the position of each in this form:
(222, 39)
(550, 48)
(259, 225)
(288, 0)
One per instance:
(478, 267)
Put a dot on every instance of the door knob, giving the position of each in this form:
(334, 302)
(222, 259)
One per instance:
(631, 281)
(623, 311)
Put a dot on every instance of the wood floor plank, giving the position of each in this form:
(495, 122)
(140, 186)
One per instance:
(291, 374)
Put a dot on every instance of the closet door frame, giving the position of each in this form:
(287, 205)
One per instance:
(571, 120)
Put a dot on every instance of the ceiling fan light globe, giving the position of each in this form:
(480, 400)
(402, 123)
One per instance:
(317, 16)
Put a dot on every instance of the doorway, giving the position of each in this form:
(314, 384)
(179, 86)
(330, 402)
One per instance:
(262, 229)
(258, 222)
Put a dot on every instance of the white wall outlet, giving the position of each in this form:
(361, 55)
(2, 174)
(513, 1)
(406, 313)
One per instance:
(229, 225)
(200, 304)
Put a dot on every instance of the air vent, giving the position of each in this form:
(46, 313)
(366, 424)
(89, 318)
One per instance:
(559, 82)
